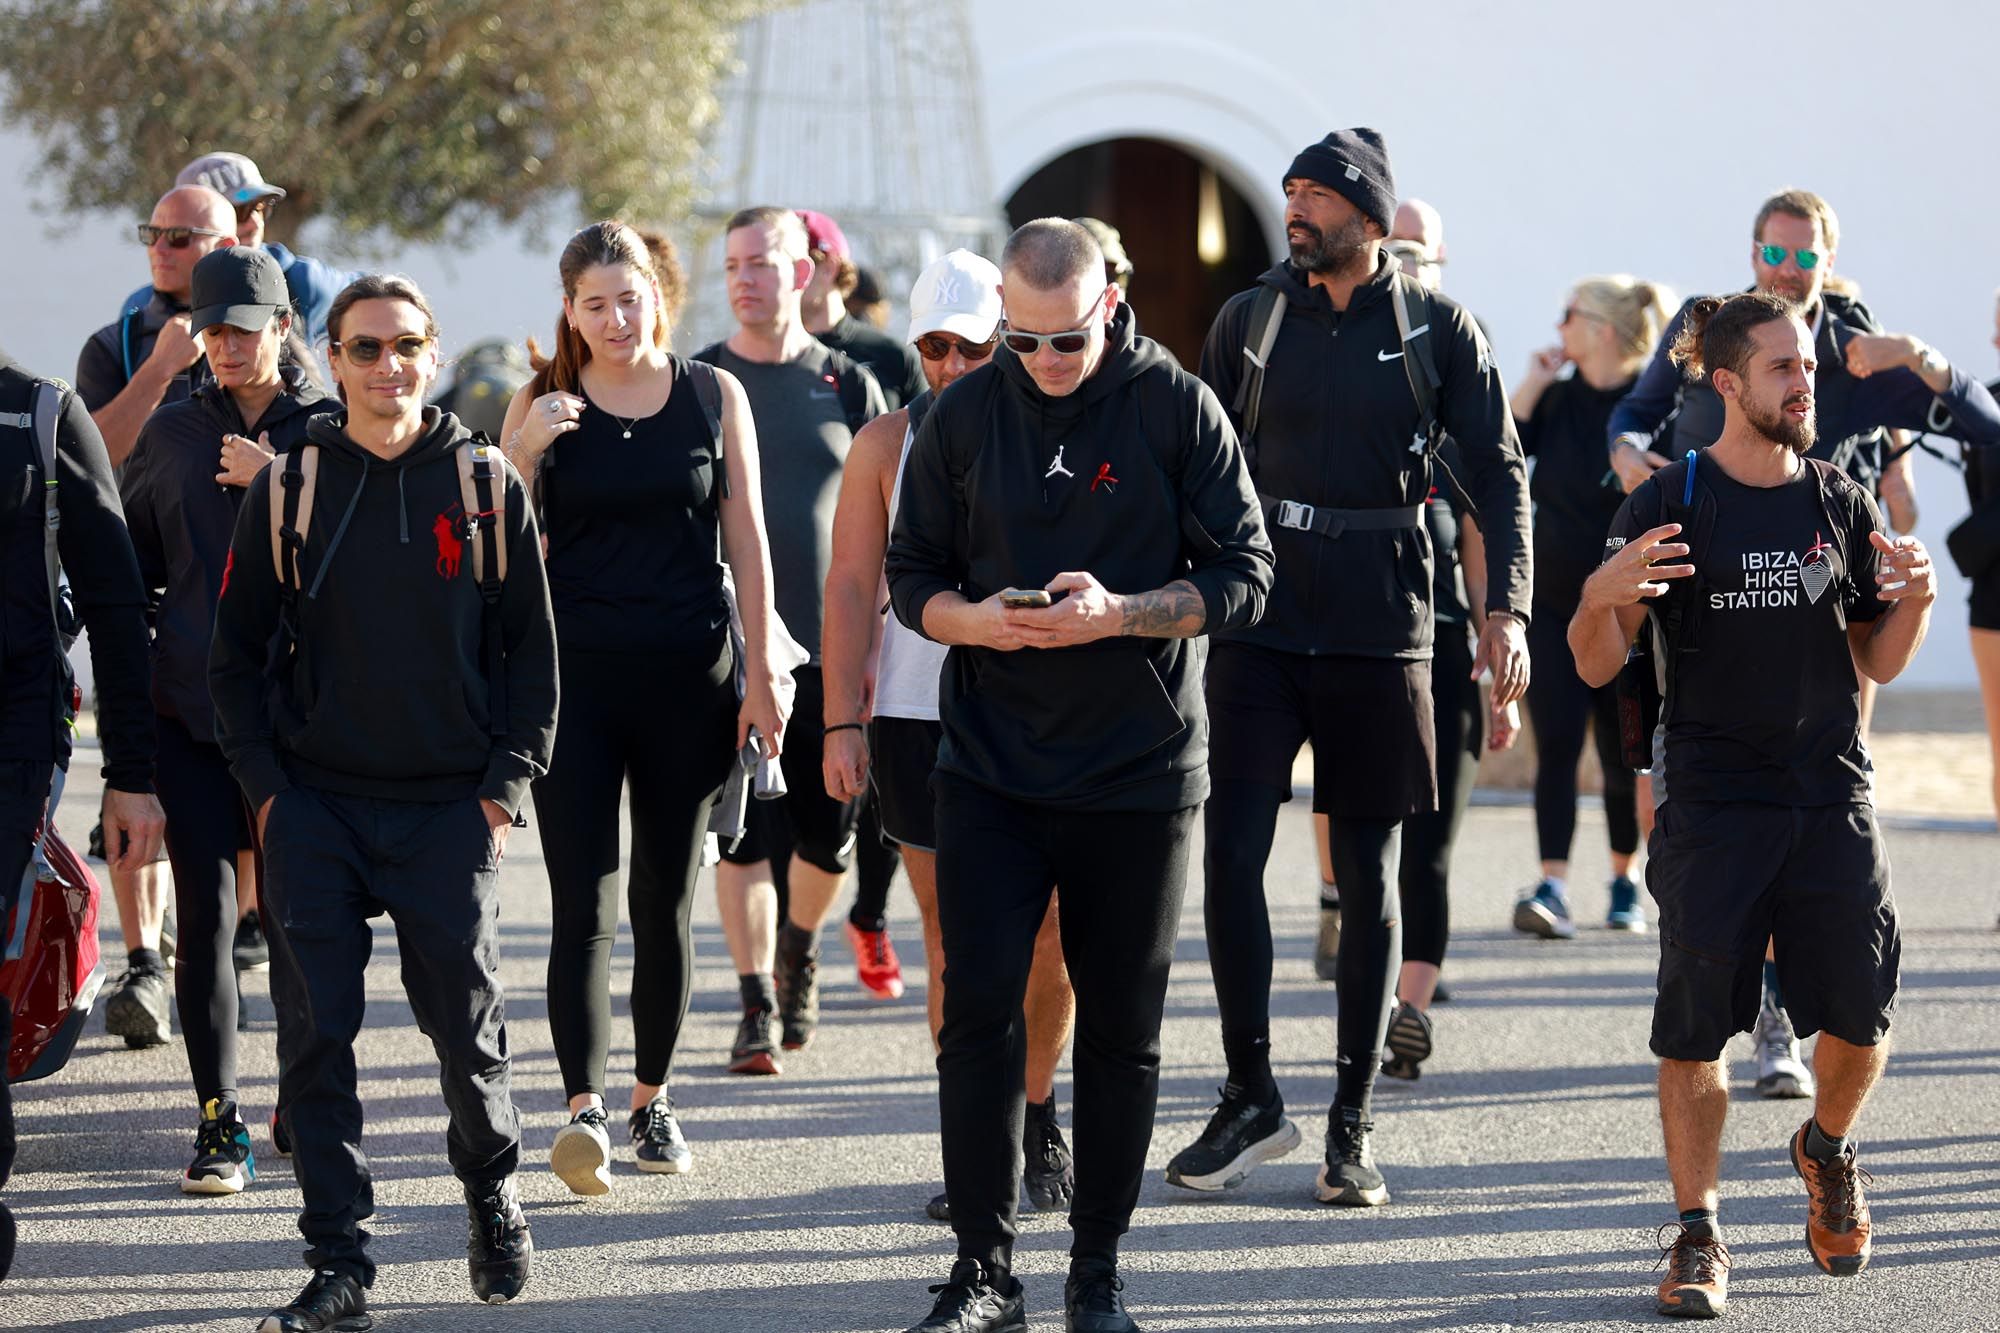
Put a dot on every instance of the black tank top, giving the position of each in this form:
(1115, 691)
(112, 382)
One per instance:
(633, 529)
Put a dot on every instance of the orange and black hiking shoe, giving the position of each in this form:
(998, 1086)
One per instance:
(1837, 1229)
(1697, 1282)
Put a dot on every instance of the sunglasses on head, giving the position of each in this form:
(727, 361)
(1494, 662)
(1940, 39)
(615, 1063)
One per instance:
(367, 351)
(937, 346)
(177, 238)
(1774, 255)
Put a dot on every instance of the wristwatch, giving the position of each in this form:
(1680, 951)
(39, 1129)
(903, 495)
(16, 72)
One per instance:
(1932, 362)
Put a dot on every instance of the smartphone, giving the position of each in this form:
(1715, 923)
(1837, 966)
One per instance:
(1025, 597)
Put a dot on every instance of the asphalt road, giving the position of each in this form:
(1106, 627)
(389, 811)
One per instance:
(1524, 1166)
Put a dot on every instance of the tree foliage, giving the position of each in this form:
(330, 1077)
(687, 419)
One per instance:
(422, 118)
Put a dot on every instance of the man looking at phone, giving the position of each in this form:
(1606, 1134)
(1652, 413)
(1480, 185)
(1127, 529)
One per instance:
(1084, 463)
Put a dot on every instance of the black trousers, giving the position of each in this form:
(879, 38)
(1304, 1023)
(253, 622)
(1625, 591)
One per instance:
(664, 726)
(1561, 707)
(1122, 875)
(331, 863)
(206, 827)
(1430, 835)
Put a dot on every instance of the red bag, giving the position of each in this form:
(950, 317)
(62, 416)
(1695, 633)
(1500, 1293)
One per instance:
(49, 968)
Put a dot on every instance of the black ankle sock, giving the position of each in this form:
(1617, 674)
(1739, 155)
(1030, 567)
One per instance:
(1702, 1222)
(145, 960)
(861, 920)
(1249, 1060)
(1822, 1146)
(758, 990)
(797, 942)
(1329, 895)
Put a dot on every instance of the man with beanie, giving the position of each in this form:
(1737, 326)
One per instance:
(384, 678)
(1075, 517)
(1325, 388)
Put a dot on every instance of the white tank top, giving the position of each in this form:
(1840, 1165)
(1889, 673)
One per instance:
(906, 674)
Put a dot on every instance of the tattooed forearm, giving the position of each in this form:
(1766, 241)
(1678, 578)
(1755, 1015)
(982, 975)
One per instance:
(1173, 612)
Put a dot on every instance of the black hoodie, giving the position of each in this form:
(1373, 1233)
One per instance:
(1334, 430)
(1155, 491)
(182, 521)
(386, 695)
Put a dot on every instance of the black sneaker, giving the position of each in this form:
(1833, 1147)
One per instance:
(968, 1303)
(1349, 1177)
(797, 978)
(281, 1138)
(1091, 1304)
(222, 1161)
(1409, 1043)
(756, 1050)
(1240, 1135)
(498, 1249)
(1050, 1172)
(139, 1010)
(656, 1138)
(939, 1208)
(251, 952)
(333, 1302)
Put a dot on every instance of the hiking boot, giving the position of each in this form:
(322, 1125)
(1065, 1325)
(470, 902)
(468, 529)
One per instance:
(1625, 913)
(797, 977)
(968, 1302)
(1837, 1226)
(1545, 913)
(1240, 1135)
(1092, 1304)
(656, 1139)
(281, 1138)
(1326, 949)
(498, 1249)
(333, 1302)
(138, 1010)
(1697, 1282)
(756, 1050)
(875, 962)
(1049, 1172)
(1348, 1176)
(251, 952)
(939, 1208)
(1781, 1074)
(222, 1162)
(1408, 1044)
(581, 1154)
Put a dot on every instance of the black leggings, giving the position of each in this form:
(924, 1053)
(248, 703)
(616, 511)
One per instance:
(206, 827)
(1428, 837)
(1560, 706)
(665, 723)
(875, 862)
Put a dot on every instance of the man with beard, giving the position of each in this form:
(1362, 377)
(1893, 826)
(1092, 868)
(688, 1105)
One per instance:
(1777, 564)
(1340, 445)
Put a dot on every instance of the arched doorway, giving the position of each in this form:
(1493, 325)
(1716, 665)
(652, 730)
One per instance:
(1193, 239)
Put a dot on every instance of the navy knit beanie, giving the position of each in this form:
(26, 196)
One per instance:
(1356, 164)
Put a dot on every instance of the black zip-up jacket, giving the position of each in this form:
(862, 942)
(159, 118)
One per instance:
(1151, 488)
(104, 582)
(385, 695)
(182, 521)
(1334, 429)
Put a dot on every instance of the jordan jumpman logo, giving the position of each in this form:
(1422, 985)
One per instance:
(1056, 465)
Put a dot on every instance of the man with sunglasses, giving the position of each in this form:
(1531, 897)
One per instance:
(955, 327)
(1074, 518)
(384, 704)
(311, 283)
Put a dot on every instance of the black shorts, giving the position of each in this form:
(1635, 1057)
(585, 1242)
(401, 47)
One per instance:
(821, 828)
(1813, 879)
(902, 753)
(1985, 600)
(1369, 720)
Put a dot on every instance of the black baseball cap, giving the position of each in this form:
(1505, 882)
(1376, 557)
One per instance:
(238, 285)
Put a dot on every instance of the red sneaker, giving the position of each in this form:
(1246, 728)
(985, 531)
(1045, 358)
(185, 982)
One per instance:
(875, 962)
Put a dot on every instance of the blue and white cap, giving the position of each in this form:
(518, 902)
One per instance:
(231, 175)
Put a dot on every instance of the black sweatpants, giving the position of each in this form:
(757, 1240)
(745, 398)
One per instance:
(1561, 706)
(1430, 835)
(206, 827)
(1122, 874)
(332, 862)
(666, 725)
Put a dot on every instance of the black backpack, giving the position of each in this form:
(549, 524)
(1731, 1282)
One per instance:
(44, 419)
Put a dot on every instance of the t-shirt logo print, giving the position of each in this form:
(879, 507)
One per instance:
(451, 548)
(1815, 569)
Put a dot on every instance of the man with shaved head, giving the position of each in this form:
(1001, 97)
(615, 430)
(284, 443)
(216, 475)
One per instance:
(1416, 239)
(1075, 516)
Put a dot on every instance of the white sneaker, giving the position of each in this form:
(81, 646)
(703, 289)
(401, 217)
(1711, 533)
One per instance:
(581, 1154)
(1781, 1074)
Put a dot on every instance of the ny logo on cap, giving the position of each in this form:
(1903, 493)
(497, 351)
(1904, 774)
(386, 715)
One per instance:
(947, 290)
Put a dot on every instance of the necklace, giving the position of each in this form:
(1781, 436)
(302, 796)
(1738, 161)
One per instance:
(625, 425)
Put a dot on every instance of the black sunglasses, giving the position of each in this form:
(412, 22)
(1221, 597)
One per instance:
(177, 238)
(264, 206)
(367, 351)
(937, 346)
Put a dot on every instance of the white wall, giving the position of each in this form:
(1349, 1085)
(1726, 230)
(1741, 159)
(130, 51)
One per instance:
(1558, 138)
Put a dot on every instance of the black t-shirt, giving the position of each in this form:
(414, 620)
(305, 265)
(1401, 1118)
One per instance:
(1576, 494)
(894, 365)
(1768, 708)
(633, 529)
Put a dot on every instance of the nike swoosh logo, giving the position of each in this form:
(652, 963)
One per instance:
(1387, 356)
(826, 393)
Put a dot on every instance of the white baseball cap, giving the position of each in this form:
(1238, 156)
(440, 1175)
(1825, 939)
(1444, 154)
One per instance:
(958, 294)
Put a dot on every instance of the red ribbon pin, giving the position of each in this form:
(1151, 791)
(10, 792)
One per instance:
(1104, 475)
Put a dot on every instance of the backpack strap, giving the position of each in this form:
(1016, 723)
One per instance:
(484, 504)
(47, 419)
(849, 380)
(1420, 367)
(127, 351)
(708, 393)
(293, 484)
(1267, 313)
